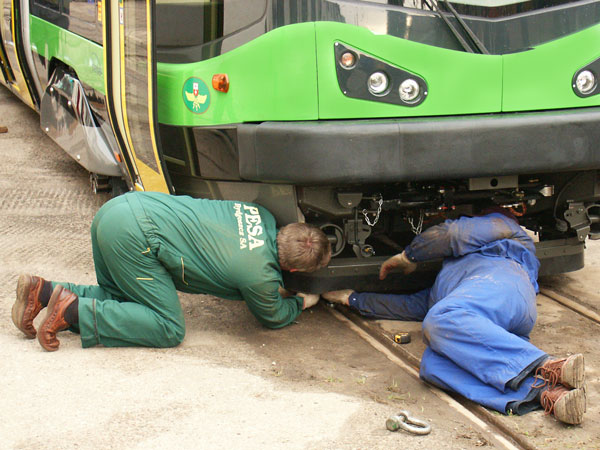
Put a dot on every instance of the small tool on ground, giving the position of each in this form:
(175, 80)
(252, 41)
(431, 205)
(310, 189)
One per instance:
(3, 129)
(402, 337)
(406, 422)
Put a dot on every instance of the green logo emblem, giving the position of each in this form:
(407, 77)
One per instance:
(196, 95)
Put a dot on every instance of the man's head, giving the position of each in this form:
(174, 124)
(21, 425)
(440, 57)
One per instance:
(303, 247)
(489, 209)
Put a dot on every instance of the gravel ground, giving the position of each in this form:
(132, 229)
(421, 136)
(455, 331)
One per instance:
(232, 383)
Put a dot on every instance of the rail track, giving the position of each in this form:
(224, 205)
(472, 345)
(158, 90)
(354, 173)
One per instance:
(530, 432)
(37, 204)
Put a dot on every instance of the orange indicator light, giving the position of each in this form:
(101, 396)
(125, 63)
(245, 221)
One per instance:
(220, 82)
(348, 60)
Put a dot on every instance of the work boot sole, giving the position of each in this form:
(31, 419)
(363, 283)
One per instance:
(18, 309)
(573, 372)
(570, 407)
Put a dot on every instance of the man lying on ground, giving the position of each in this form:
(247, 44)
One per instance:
(477, 318)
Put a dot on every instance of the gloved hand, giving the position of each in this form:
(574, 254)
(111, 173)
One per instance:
(309, 299)
(400, 261)
(341, 297)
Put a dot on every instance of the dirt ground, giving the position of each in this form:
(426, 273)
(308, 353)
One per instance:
(232, 383)
(558, 332)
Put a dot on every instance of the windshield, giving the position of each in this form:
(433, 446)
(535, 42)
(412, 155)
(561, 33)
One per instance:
(481, 8)
(504, 8)
(502, 26)
(195, 30)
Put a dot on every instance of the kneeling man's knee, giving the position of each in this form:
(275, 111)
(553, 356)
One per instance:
(174, 333)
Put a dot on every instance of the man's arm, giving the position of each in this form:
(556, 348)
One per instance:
(463, 236)
(383, 306)
(391, 306)
(267, 305)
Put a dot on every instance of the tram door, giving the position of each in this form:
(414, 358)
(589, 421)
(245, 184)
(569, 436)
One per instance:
(14, 70)
(130, 79)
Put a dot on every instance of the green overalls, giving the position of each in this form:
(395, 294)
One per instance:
(148, 245)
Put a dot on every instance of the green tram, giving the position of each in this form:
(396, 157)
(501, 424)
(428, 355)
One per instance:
(371, 119)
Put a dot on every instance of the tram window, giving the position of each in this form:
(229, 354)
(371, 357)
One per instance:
(51, 4)
(82, 10)
(83, 18)
(185, 23)
(49, 10)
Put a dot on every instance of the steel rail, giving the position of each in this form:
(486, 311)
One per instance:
(491, 427)
(479, 415)
(571, 304)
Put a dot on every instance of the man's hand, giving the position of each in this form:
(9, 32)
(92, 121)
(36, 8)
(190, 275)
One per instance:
(284, 292)
(400, 261)
(341, 297)
(309, 299)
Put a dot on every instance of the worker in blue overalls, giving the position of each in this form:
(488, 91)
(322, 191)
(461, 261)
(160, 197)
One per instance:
(477, 317)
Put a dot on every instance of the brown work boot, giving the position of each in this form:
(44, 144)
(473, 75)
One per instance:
(27, 305)
(55, 318)
(567, 405)
(569, 372)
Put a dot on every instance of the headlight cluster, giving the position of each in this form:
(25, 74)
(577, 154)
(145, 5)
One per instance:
(366, 77)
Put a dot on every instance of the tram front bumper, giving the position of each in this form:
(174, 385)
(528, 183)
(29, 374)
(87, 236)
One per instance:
(431, 148)
(362, 274)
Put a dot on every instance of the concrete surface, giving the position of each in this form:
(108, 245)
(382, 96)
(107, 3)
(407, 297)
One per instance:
(231, 384)
(559, 332)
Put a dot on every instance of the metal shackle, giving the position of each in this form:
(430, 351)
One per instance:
(407, 423)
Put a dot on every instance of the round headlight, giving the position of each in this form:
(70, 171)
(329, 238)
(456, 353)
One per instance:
(378, 83)
(585, 82)
(347, 60)
(409, 90)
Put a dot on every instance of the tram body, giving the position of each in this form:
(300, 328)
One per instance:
(371, 119)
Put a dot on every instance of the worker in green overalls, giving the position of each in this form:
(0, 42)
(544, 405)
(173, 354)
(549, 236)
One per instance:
(147, 246)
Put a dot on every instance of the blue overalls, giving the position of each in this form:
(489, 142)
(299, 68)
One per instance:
(478, 314)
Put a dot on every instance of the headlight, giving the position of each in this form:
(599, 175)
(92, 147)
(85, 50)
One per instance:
(409, 90)
(378, 83)
(585, 82)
